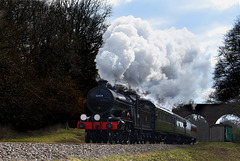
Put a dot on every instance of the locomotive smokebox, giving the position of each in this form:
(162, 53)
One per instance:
(100, 99)
(104, 98)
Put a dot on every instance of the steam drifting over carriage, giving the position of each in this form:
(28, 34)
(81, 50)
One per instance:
(124, 117)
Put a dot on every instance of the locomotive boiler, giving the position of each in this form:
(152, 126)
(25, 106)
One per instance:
(124, 117)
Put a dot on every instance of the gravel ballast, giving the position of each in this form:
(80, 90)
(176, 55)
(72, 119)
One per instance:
(42, 151)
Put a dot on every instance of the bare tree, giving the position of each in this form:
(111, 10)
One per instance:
(47, 53)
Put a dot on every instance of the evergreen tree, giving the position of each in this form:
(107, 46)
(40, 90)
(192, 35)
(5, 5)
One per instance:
(227, 70)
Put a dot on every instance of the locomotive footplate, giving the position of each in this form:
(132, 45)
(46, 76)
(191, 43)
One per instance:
(97, 125)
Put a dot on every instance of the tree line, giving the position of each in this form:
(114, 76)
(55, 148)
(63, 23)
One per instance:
(47, 59)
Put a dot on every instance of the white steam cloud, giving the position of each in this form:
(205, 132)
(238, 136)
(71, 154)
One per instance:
(167, 64)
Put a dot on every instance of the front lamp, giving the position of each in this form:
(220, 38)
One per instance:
(97, 117)
(83, 117)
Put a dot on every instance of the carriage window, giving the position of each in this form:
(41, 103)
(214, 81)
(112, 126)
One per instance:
(164, 117)
(168, 118)
(159, 115)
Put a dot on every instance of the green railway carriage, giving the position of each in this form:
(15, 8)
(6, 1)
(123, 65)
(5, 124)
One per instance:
(174, 128)
(164, 121)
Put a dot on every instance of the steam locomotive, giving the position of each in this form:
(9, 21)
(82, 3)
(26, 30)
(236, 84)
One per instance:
(124, 117)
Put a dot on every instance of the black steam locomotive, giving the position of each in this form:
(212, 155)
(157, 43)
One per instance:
(124, 117)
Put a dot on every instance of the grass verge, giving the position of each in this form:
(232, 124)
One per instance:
(55, 136)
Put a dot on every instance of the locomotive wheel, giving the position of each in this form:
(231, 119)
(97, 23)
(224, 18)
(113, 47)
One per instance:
(94, 140)
(99, 140)
(138, 141)
(159, 140)
(121, 138)
(117, 138)
(110, 137)
(126, 138)
(134, 141)
(105, 137)
(105, 140)
(87, 138)
(110, 140)
(131, 138)
(131, 141)
(153, 140)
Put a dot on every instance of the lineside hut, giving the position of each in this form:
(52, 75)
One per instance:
(221, 133)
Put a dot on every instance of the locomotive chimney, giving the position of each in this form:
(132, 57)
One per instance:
(102, 83)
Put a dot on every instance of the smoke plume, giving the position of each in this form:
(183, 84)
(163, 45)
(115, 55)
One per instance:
(167, 64)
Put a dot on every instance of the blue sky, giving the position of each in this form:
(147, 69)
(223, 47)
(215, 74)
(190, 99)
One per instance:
(200, 17)
(196, 15)
(207, 20)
